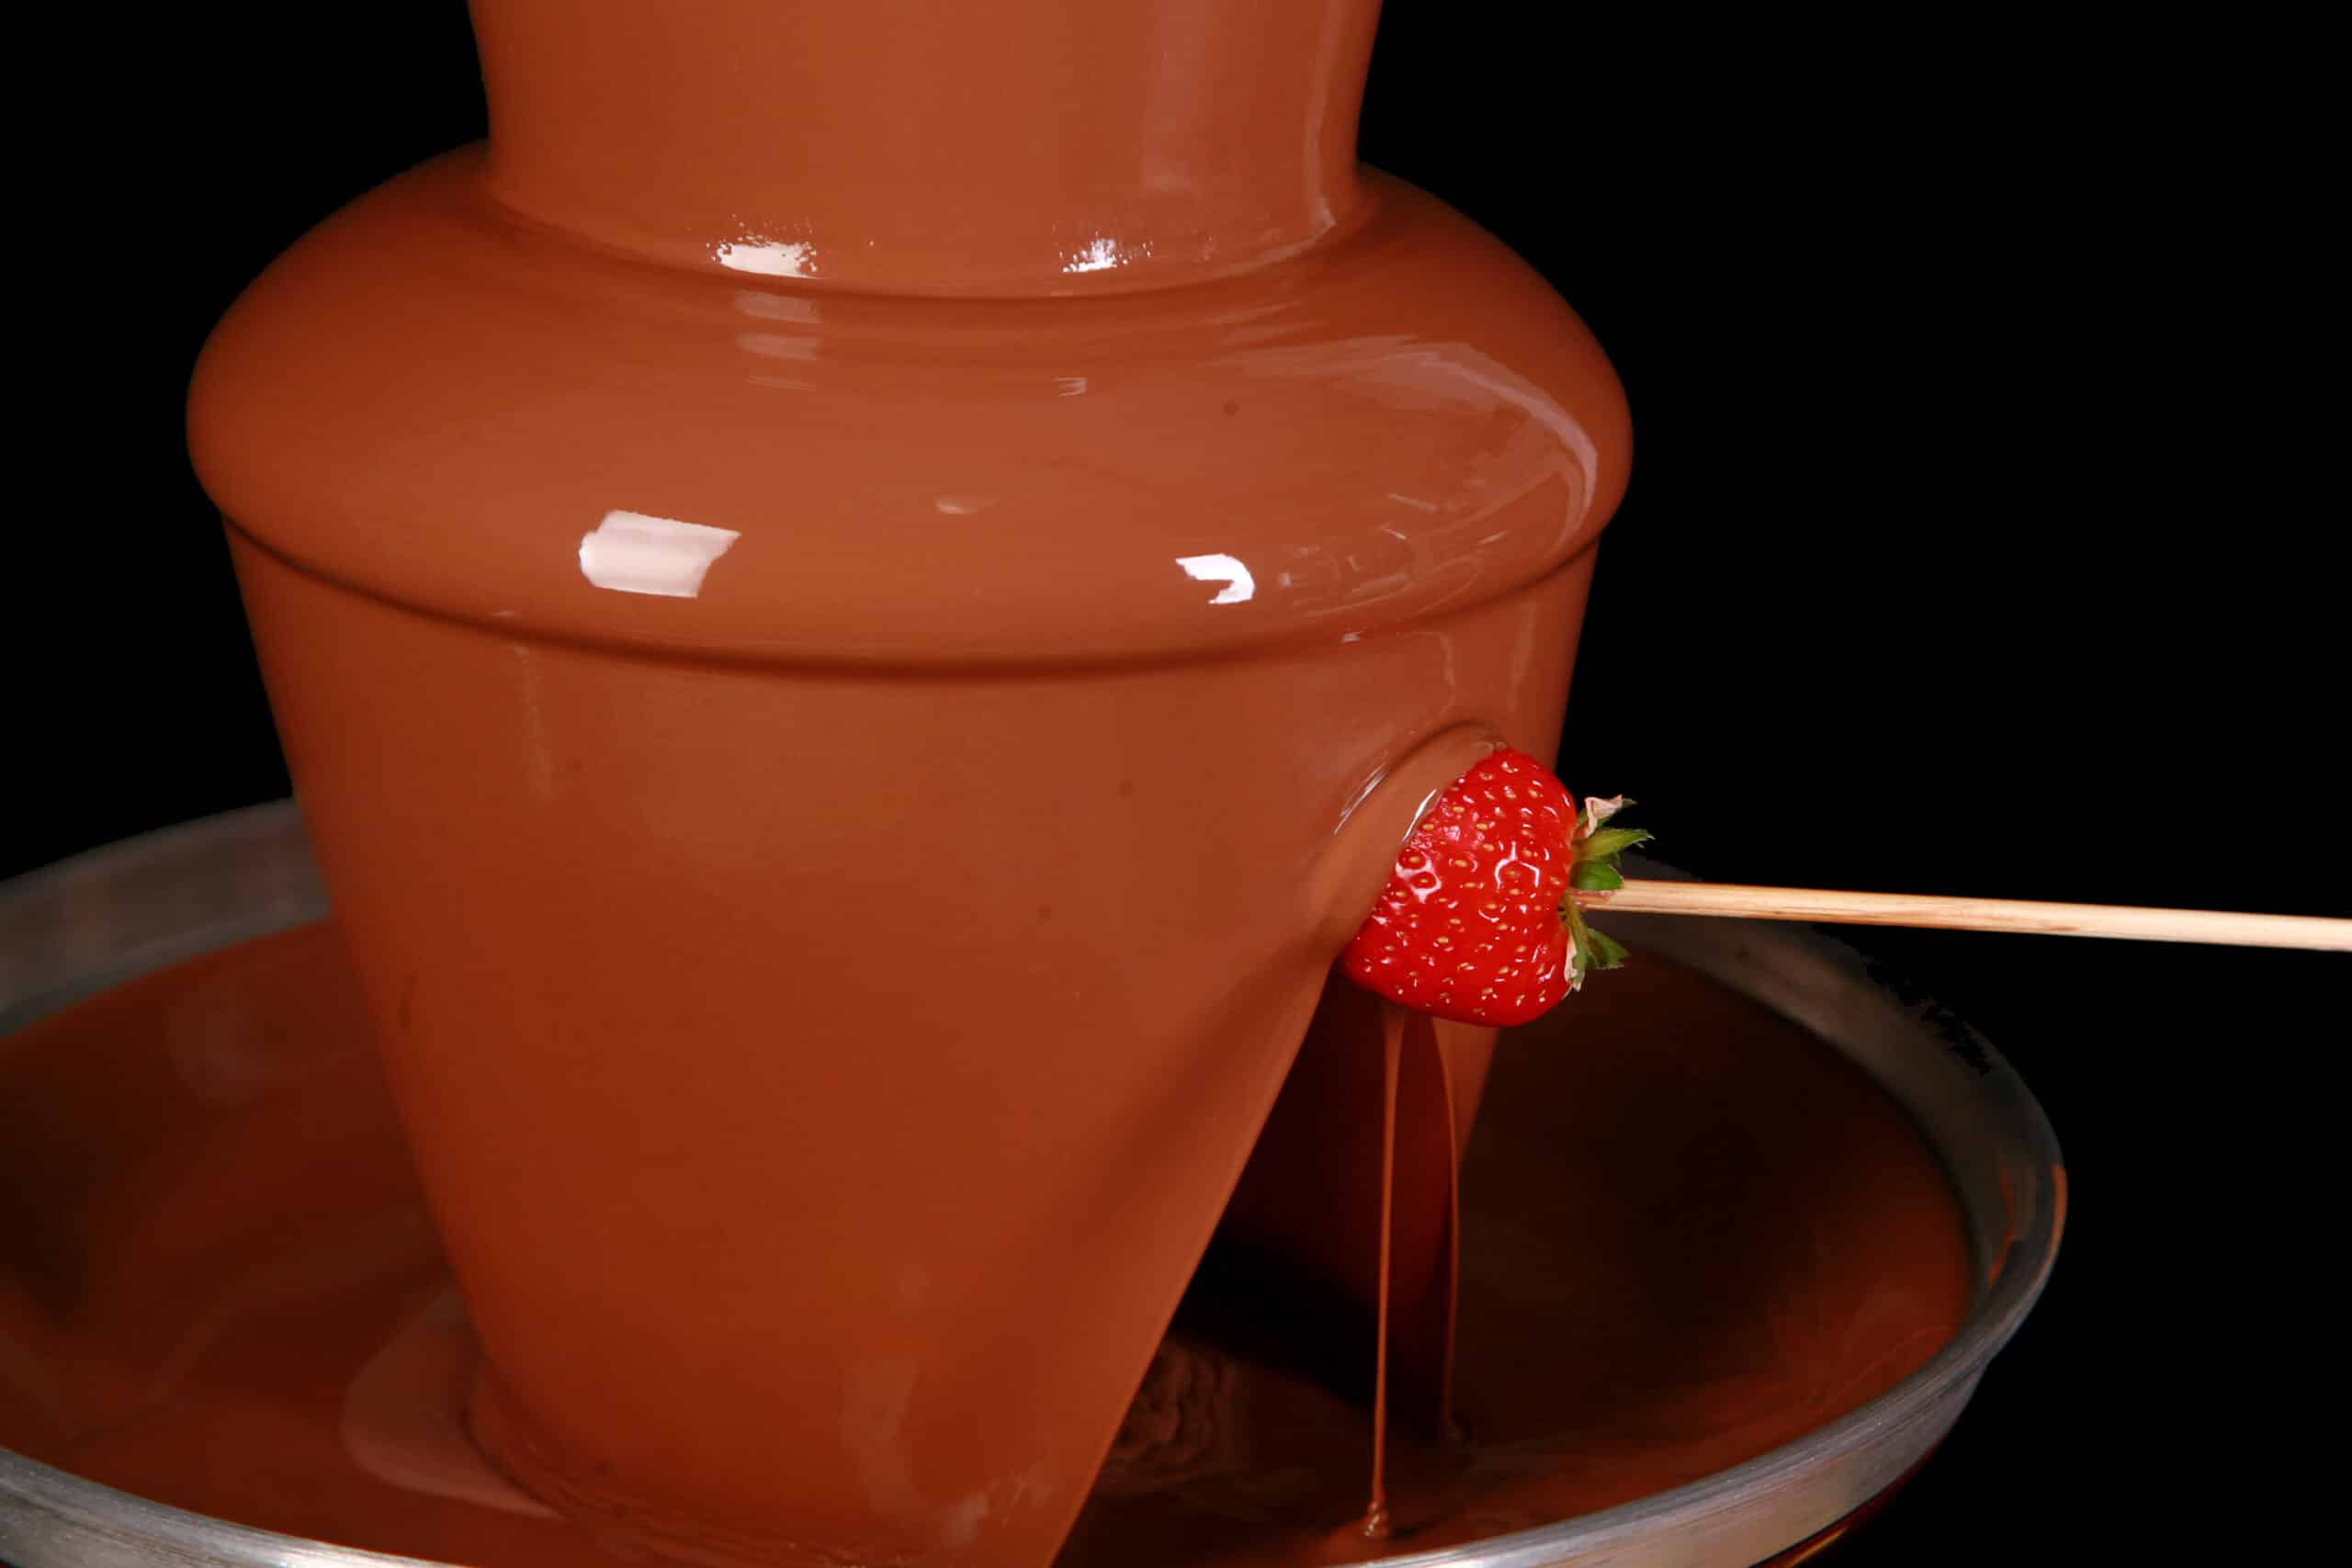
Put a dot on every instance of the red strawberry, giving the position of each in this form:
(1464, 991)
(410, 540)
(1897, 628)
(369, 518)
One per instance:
(1478, 921)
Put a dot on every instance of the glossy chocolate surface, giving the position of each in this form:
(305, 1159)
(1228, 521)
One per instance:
(843, 769)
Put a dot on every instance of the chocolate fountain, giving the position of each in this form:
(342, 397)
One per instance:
(858, 605)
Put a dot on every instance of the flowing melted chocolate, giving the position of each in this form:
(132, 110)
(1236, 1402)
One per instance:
(1689, 1233)
(1377, 1525)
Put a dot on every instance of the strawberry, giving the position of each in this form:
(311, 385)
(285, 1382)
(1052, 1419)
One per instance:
(1479, 920)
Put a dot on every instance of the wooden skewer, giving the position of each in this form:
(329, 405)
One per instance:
(1643, 897)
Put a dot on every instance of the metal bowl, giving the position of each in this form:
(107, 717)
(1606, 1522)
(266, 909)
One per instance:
(102, 918)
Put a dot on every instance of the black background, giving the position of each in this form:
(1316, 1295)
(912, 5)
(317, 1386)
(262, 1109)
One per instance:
(1984, 381)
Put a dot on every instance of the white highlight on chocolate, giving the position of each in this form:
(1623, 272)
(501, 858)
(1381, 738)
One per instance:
(1239, 586)
(771, 258)
(1100, 255)
(630, 552)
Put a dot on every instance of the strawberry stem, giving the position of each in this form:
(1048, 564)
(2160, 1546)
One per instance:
(1593, 850)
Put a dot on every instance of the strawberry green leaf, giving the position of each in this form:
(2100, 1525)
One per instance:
(1579, 943)
(1597, 811)
(1607, 951)
(1610, 842)
(1595, 876)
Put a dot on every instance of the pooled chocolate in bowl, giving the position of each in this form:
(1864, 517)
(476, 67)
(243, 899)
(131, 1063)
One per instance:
(1691, 1233)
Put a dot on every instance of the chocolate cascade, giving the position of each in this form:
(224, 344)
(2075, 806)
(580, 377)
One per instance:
(858, 605)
